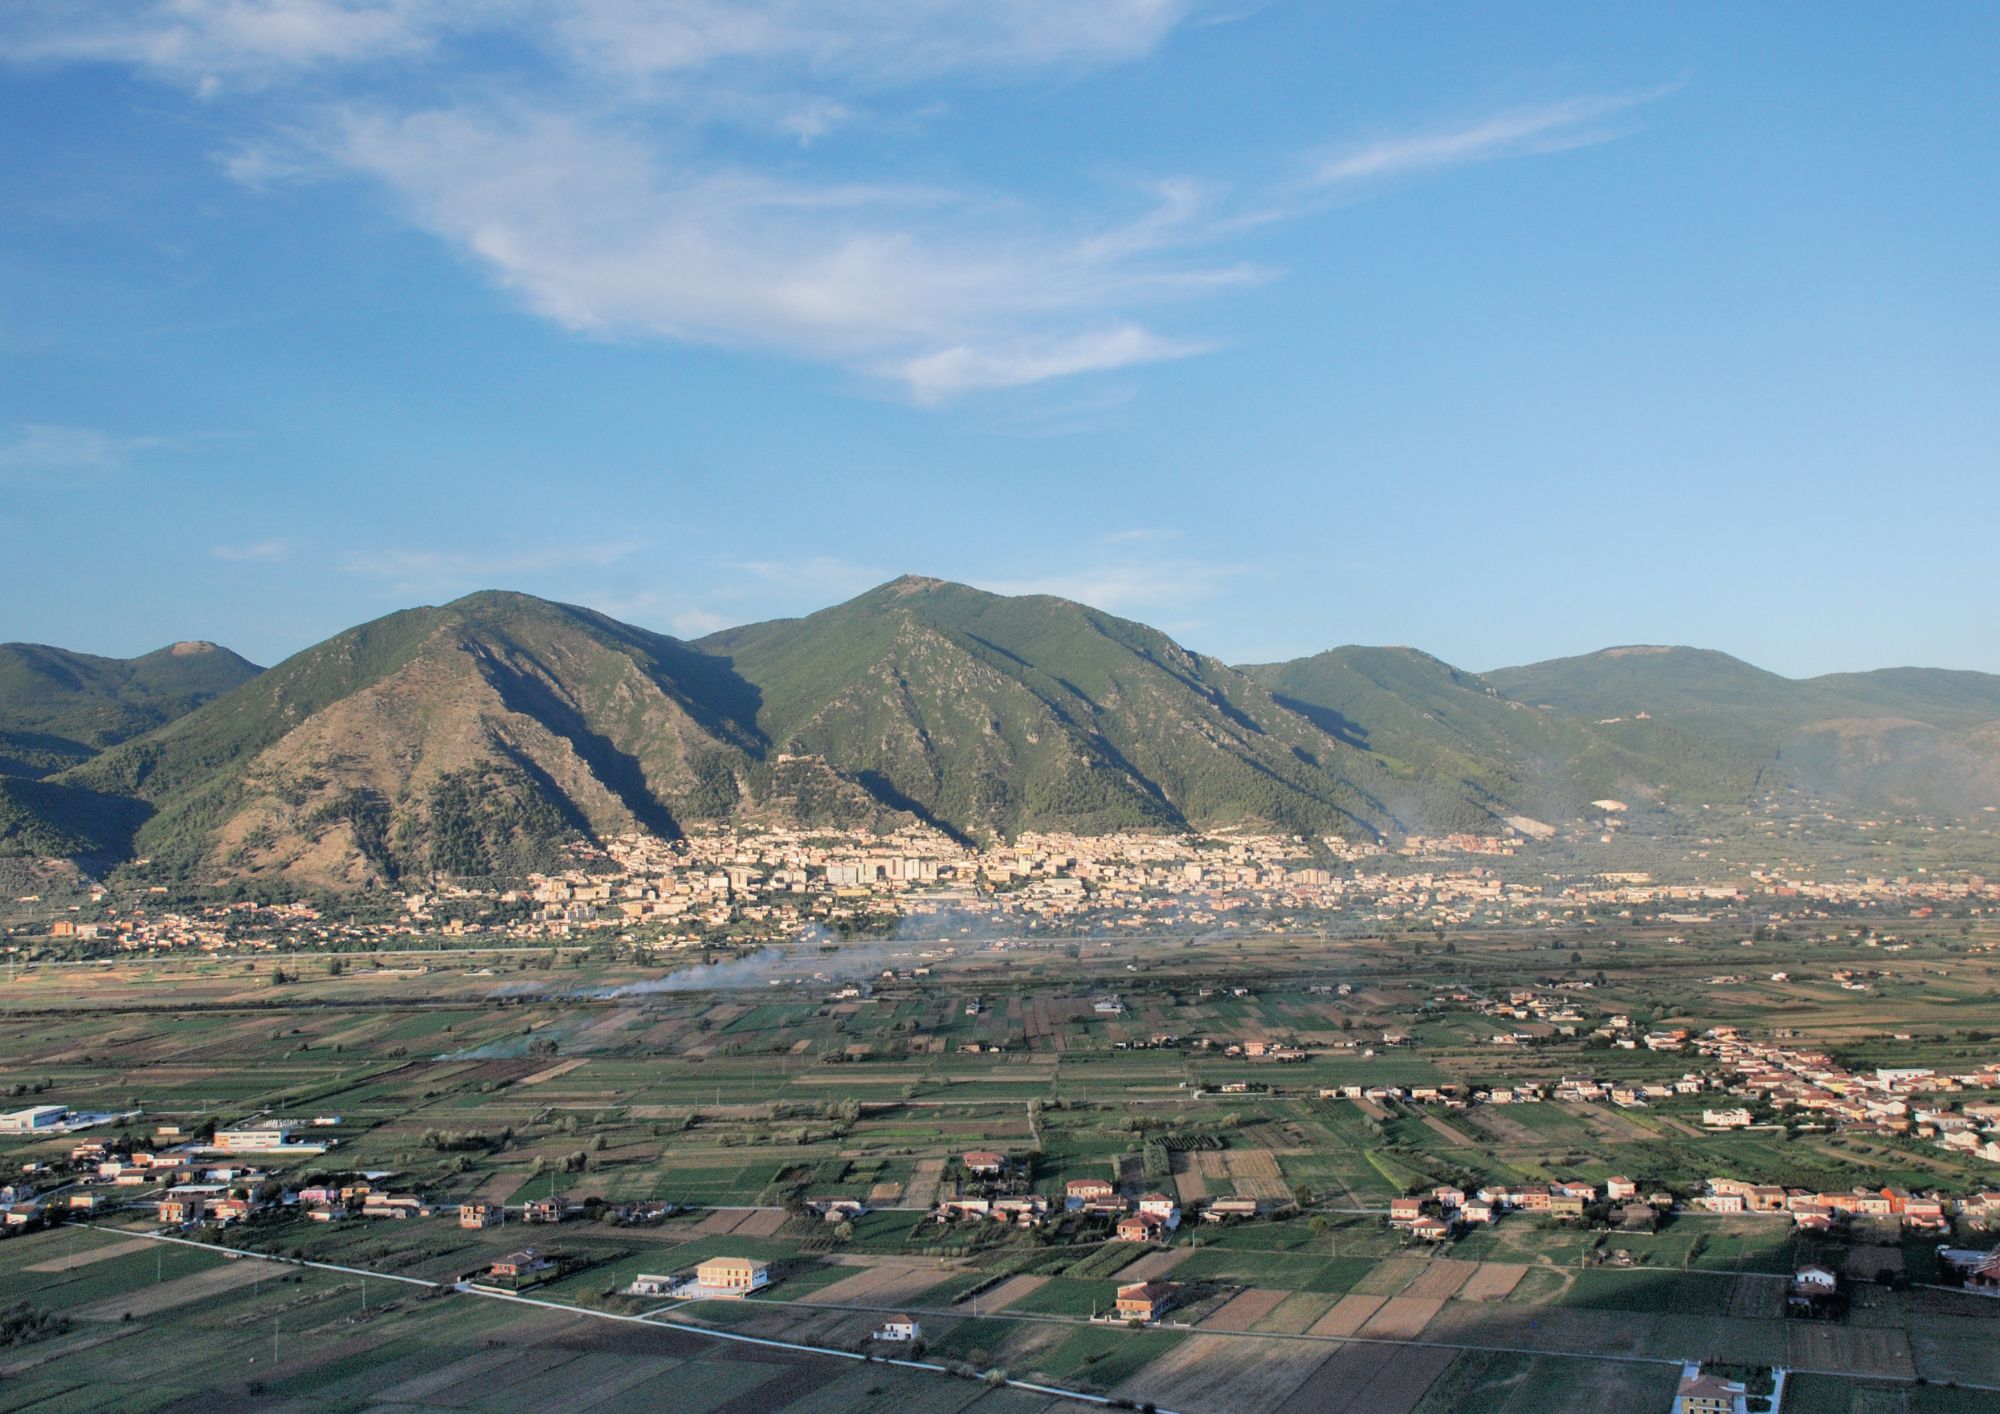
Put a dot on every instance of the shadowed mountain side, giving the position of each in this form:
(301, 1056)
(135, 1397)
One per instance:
(999, 714)
(471, 738)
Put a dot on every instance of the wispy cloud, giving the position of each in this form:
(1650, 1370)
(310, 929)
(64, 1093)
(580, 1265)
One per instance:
(576, 161)
(259, 42)
(694, 623)
(202, 41)
(884, 40)
(1521, 132)
(658, 608)
(49, 450)
(261, 550)
(430, 568)
(937, 291)
(823, 577)
(1127, 586)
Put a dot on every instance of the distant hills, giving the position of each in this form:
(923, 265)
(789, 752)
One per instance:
(475, 737)
(1432, 722)
(58, 708)
(1897, 739)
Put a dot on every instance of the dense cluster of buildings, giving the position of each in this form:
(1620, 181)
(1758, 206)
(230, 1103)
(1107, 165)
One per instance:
(775, 880)
(1137, 881)
(1447, 1209)
(1822, 1211)
(997, 1194)
(1917, 1101)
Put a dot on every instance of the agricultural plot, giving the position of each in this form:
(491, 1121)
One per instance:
(1246, 1309)
(207, 1329)
(1480, 1382)
(1224, 1374)
(510, 1087)
(1361, 1379)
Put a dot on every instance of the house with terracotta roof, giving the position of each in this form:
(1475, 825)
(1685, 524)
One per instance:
(1710, 1394)
(1142, 1227)
(1146, 1301)
(524, 1265)
(1079, 1192)
(984, 1163)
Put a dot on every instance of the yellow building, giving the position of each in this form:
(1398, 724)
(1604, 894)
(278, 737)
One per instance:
(733, 1274)
(1708, 1394)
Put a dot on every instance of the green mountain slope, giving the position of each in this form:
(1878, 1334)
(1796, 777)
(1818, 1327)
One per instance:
(1897, 738)
(469, 739)
(1428, 719)
(990, 715)
(476, 737)
(58, 708)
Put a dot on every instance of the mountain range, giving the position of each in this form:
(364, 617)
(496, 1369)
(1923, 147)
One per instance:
(473, 738)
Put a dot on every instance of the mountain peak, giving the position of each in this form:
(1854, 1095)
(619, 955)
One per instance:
(917, 584)
(500, 600)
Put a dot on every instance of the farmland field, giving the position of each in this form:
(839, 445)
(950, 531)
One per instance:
(721, 1116)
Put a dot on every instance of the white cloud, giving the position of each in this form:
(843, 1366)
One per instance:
(695, 623)
(597, 191)
(1554, 127)
(264, 42)
(430, 568)
(1018, 361)
(813, 119)
(46, 449)
(884, 39)
(930, 289)
(824, 577)
(269, 163)
(650, 608)
(196, 41)
(1125, 587)
(262, 550)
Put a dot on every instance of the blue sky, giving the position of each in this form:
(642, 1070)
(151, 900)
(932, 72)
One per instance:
(1504, 331)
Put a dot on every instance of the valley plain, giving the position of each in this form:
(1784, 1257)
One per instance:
(966, 1001)
(678, 1126)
